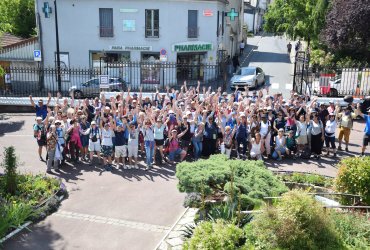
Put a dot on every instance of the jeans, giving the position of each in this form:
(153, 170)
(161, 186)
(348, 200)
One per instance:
(198, 145)
(149, 151)
(51, 158)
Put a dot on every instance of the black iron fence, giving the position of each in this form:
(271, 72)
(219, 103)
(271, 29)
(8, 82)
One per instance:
(121, 76)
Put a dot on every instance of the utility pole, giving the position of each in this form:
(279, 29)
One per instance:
(59, 80)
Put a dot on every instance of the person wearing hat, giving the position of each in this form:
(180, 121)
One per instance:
(41, 109)
(39, 132)
(331, 108)
(345, 120)
(133, 144)
(94, 141)
(366, 139)
(174, 146)
(54, 153)
(331, 125)
(265, 132)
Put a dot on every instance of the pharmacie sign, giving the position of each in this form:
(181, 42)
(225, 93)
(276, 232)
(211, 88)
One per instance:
(130, 48)
(192, 47)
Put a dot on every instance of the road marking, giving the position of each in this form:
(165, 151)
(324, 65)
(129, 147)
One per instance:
(275, 85)
(289, 86)
(112, 221)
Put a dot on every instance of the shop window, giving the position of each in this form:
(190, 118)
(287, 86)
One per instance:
(190, 66)
(150, 68)
(152, 23)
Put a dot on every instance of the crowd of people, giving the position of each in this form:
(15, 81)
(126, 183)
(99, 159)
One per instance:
(189, 124)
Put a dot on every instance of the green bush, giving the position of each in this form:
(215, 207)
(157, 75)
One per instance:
(10, 166)
(217, 235)
(250, 178)
(354, 177)
(314, 179)
(354, 229)
(296, 222)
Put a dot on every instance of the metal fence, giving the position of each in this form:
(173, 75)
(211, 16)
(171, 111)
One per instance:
(330, 82)
(133, 75)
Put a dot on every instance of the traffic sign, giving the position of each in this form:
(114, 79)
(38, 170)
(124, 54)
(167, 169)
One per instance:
(163, 58)
(37, 55)
(104, 81)
(163, 52)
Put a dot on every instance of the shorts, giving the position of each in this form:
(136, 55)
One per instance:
(94, 146)
(84, 140)
(41, 143)
(121, 151)
(132, 150)
(159, 142)
(344, 132)
(302, 140)
(366, 140)
(106, 150)
(175, 153)
(330, 141)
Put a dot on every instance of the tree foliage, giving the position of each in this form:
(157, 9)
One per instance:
(347, 27)
(18, 17)
(296, 18)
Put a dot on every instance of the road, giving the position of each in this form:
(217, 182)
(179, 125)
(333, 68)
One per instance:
(270, 54)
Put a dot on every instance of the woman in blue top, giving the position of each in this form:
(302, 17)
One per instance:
(366, 138)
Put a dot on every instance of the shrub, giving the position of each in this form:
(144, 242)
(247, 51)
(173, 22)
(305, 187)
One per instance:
(10, 165)
(297, 222)
(354, 178)
(218, 174)
(216, 235)
(192, 200)
(314, 179)
(354, 229)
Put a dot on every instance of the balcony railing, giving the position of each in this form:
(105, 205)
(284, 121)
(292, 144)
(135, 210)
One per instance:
(193, 32)
(106, 31)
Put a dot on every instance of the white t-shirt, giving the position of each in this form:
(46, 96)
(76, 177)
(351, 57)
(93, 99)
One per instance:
(133, 137)
(330, 128)
(264, 128)
(302, 128)
(106, 136)
(158, 132)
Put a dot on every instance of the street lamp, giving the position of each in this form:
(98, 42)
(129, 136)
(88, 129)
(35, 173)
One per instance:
(59, 79)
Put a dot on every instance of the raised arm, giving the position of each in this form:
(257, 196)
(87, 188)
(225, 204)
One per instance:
(32, 102)
(49, 99)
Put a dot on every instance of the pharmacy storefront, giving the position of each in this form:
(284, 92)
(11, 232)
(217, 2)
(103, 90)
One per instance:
(191, 58)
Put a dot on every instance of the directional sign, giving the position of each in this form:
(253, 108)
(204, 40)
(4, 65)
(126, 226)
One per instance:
(104, 81)
(37, 55)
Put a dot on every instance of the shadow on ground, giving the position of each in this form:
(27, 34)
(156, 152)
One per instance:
(9, 127)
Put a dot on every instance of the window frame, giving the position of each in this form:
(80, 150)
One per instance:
(152, 29)
(191, 32)
(106, 31)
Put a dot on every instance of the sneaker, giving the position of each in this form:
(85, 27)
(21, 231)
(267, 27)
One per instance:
(335, 154)
(340, 148)
(136, 166)
(327, 153)
(362, 154)
(49, 172)
(129, 167)
(124, 166)
(41, 159)
(279, 159)
(347, 149)
(58, 170)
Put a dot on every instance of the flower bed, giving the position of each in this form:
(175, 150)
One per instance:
(25, 197)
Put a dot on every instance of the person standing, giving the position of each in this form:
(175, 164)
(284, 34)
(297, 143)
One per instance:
(366, 138)
(148, 133)
(345, 125)
(242, 136)
(39, 132)
(289, 47)
(41, 109)
(107, 144)
(236, 63)
(242, 46)
(317, 135)
(52, 148)
(330, 128)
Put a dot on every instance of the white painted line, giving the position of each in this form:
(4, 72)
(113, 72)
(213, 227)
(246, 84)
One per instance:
(289, 86)
(275, 85)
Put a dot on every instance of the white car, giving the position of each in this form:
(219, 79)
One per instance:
(250, 77)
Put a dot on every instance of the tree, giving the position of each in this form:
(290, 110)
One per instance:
(296, 18)
(347, 28)
(18, 17)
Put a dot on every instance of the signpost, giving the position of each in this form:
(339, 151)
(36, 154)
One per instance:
(104, 82)
(37, 55)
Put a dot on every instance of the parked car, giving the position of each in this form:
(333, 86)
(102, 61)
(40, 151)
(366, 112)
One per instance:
(91, 87)
(250, 77)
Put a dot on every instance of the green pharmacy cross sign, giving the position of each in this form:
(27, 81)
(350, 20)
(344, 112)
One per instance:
(46, 9)
(232, 14)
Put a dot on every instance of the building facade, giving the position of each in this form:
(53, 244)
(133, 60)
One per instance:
(107, 34)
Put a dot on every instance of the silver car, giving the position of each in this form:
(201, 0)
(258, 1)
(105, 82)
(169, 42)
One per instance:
(91, 88)
(250, 77)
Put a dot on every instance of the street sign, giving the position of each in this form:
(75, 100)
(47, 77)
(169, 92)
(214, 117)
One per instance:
(104, 81)
(163, 58)
(37, 55)
(163, 52)
(208, 12)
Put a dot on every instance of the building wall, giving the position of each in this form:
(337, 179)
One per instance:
(78, 23)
